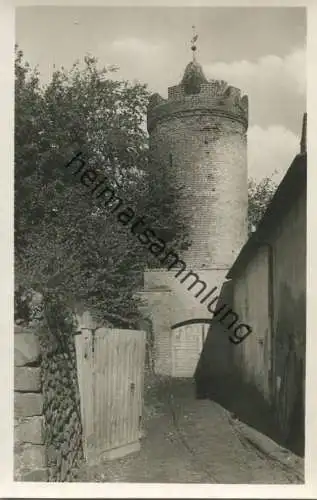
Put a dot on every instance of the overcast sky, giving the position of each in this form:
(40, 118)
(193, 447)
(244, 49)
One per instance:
(260, 50)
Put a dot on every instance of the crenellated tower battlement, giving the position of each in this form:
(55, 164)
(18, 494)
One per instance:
(201, 96)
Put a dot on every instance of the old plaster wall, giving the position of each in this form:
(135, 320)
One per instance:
(289, 320)
(271, 296)
(252, 358)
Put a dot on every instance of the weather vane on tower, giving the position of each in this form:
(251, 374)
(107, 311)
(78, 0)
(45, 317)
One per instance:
(193, 42)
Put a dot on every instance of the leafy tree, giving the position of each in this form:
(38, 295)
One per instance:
(259, 196)
(64, 241)
(160, 201)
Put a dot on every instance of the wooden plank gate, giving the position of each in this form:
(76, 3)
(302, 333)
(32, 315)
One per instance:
(110, 367)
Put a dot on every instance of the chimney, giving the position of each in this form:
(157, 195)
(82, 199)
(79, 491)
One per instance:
(303, 141)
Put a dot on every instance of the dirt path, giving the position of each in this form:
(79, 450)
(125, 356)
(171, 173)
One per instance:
(191, 441)
(224, 450)
(163, 457)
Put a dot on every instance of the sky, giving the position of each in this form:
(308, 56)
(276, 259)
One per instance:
(260, 50)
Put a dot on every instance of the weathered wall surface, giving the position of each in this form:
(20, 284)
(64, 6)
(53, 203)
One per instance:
(251, 302)
(29, 447)
(289, 320)
(272, 358)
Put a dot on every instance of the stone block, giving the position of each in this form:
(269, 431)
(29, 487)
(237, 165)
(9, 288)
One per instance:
(27, 379)
(31, 457)
(26, 349)
(27, 404)
(29, 430)
(35, 475)
(18, 329)
(23, 328)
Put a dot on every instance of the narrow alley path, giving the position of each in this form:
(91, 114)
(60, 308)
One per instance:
(195, 441)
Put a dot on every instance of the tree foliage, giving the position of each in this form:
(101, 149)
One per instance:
(63, 240)
(259, 196)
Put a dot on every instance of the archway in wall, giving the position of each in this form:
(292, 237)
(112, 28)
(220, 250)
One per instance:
(188, 338)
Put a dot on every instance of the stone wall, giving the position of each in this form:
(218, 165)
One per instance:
(29, 447)
(48, 430)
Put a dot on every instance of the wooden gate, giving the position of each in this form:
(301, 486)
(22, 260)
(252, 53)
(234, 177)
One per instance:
(187, 344)
(110, 366)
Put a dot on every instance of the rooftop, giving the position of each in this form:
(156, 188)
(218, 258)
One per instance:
(193, 78)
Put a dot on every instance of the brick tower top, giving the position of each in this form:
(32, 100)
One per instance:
(196, 93)
(199, 133)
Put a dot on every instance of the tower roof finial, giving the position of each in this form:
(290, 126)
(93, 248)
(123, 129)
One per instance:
(193, 42)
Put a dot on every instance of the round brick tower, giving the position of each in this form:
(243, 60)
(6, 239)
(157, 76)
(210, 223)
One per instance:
(199, 131)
